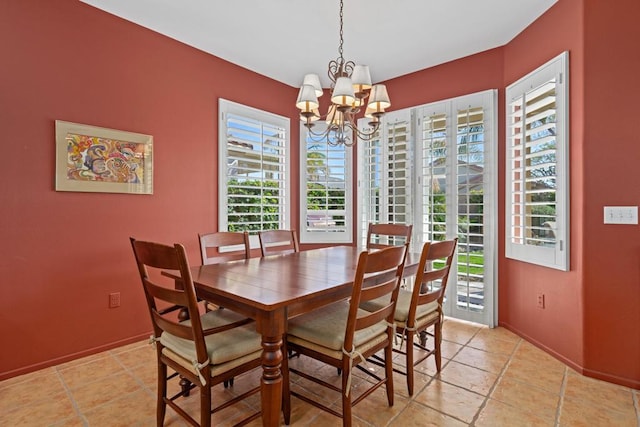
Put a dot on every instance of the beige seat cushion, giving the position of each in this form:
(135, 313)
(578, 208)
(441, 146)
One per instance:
(402, 306)
(215, 369)
(222, 347)
(326, 328)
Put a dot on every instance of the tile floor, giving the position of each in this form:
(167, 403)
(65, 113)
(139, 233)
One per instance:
(490, 377)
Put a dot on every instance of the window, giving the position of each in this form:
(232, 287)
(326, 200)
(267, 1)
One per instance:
(326, 196)
(537, 190)
(254, 192)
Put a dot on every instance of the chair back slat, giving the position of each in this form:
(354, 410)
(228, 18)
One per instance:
(384, 235)
(433, 275)
(173, 328)
(224, 246)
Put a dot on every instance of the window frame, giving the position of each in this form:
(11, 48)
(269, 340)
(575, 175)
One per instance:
(226, 107)
(556, 257)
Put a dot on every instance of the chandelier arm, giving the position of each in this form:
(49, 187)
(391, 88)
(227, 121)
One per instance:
(367, 135)
(347, 134)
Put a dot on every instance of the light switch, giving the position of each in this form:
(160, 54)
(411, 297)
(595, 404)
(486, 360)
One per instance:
(621, 215)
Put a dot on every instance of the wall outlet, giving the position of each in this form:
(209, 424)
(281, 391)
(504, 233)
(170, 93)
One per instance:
(114, 300)
(540, 300)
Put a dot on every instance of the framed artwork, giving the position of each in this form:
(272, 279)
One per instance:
(95, 159)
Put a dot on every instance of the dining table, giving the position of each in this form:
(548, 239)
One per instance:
(275, 288)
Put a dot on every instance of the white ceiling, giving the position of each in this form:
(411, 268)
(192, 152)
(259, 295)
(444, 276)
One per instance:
(285, 39)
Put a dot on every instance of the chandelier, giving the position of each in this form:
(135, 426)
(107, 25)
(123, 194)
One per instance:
(351, 86)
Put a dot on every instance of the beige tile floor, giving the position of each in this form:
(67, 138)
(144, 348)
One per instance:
(490, 377)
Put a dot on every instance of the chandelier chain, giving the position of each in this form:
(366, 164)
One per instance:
(341, 35)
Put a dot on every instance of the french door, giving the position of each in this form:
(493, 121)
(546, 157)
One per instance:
(435, 166)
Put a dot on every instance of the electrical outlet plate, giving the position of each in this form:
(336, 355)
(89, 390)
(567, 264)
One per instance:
(114, 300)
(621, 215)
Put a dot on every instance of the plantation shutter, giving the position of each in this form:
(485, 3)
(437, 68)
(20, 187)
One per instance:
(325, 190)
(433, 173)
(537, 214)
(386, 173)
(254, 172)
(455, 178)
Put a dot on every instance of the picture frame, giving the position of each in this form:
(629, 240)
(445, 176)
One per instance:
(96, 159)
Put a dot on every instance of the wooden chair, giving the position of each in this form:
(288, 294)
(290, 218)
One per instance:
(278, 242)
(385, 235)
(421, 308)
(224, 246)
(342, 335)
(221, 247)
(206, 350)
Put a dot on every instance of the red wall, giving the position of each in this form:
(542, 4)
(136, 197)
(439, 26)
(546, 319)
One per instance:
(63, 253)
(611, 285)
(558, 327)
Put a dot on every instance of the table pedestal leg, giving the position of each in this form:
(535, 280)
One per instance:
(271, 380)
(271, 326)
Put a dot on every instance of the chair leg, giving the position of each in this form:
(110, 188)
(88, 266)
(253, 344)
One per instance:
(423, 338)
(437, 337)
(388, 367)
(409, 350)
(205, 406)
(346, 400)
(185, 385)
(286, 387)
(161, 405)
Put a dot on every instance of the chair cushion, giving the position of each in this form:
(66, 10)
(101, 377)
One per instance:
(402, 306)
(327, 326)
(221, 347)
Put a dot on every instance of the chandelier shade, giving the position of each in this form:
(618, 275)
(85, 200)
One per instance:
(361, 78)
(307, 99)
(350, 89)
(343, 93)
(379, 99)
(313, 80)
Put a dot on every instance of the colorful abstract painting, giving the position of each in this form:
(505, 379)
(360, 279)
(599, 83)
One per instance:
(90, 158)
(96, 159)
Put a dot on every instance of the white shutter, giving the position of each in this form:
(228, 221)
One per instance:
(434, 171)
(433, 166)
(253, 170)
(386, 173)
(455, 179)
(326, 190)
(537, 169)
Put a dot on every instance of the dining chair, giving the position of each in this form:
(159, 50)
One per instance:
(278, 242)
(206, 350)
(224, 246)
(221, 247)
(384, 235)
(343, 336)
(420, 308)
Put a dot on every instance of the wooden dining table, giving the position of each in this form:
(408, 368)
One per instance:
(275, 288)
